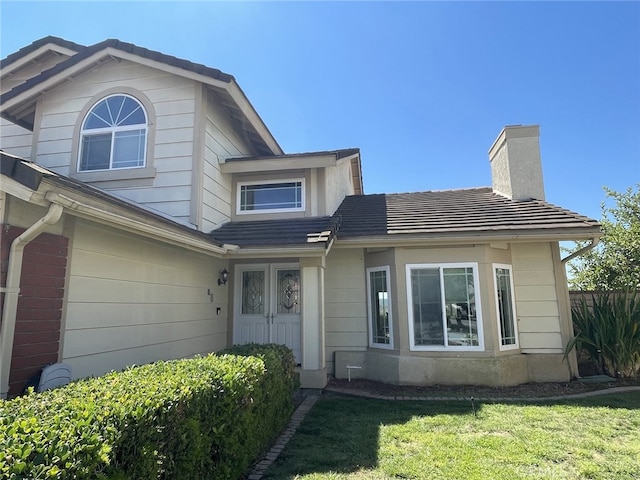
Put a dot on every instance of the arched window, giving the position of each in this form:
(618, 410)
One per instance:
(113, 135)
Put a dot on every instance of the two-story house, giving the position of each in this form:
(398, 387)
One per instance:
(148, 213)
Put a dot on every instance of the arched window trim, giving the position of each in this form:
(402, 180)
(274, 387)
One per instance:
(113, 130)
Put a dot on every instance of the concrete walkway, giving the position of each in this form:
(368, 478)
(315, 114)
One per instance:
(309, 401)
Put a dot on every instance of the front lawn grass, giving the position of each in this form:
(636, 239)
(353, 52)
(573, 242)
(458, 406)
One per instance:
(346, 438)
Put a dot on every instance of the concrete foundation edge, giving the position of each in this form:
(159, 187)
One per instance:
(500, 371)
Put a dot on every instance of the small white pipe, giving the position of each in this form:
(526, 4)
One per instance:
(12, 291)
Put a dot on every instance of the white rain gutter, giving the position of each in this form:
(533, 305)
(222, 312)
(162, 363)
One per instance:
(12, 291)
(586, 248)
(169, 236)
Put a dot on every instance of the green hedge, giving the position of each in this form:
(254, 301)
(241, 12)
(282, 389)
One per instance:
(205, 417)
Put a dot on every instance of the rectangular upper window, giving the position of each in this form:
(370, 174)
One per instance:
(380, 321)
(267, 197)
(444, 307)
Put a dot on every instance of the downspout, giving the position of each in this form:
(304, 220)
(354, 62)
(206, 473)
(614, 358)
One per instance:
(12, 291)
(572, 359)
(586, 248)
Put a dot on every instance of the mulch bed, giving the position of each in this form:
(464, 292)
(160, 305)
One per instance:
(526, 390)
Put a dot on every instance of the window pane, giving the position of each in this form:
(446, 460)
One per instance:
(95, 152)
(379, 297)
(288, 291)
(505, 307)
(427, 307)
(130, 113)
(253, 292)
(129, 149)
(276, 196)
(99, 117)
(459, 298)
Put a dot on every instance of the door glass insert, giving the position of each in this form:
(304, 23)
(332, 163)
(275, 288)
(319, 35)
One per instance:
(253, 292)
(288, 291)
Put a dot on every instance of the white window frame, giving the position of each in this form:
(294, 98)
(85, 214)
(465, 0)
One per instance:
(478, 304)
(387, 270)
(113, 130)
(239, 186)
(513, 307)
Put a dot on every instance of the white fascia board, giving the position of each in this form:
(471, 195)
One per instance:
(53, 82)
(398, 241)
(299, 162)
(250, 113)
(230, 87)
(17, 190)
(279, 252)
(124, 220)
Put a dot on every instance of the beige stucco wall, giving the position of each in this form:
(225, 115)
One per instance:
(131, 300)
(338, 183)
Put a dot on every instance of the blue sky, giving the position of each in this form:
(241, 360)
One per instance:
(422, 88)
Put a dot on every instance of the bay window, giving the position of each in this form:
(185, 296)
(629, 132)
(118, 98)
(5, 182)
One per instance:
(444, 307)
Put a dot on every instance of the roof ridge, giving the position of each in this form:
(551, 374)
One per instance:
(85, 52)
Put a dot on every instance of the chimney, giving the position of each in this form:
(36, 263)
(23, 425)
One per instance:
(516, 167)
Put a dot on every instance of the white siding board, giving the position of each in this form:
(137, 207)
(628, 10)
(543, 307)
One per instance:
(156, 195)
(177, 178)
(539, 325)
(174, 135)
(87, 316)
(171, 150)
(347, 341)
(536, 293)
(345, 303)
(172, 164)
(175, 107)
(167, 122)
(54, 133)
(62, 119)
(15, 139)
(536, 298)
(132, 301)
(102, 362)
(60, 146)
(133, 336)
(541, 341)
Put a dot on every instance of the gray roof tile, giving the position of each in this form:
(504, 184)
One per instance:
(466, 211)
(283, 232)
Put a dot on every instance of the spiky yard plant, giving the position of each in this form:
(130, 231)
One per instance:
(607, 327)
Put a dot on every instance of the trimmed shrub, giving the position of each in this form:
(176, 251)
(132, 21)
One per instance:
(205, 417)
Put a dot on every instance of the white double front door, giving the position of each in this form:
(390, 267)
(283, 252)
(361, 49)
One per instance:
(267, 305)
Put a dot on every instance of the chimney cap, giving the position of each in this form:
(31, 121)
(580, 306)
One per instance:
(513, 131)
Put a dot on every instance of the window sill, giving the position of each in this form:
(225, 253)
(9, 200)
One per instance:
(111, 175)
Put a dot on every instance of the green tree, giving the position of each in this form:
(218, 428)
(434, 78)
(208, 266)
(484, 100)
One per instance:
(615, 263)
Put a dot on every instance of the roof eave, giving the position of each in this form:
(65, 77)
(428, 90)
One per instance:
(440, 239)
(22, 97)
(278, 251)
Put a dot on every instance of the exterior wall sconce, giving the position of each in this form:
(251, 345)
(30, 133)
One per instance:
(224, 277)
